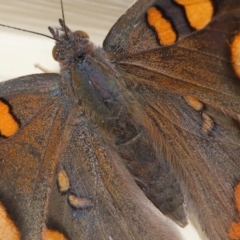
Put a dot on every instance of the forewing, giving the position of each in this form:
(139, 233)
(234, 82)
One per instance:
(28, 157)
(188, 91)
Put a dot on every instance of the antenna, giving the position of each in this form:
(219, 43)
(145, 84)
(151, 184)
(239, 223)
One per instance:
(24, 30)
(64, 24)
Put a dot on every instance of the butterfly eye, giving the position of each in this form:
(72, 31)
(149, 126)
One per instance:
(81, 34)
(55, 53)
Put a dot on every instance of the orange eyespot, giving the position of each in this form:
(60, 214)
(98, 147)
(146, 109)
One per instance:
(54, 53)
(81, 34)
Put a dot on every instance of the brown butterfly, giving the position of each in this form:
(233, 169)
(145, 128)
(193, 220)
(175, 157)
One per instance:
(145, 126)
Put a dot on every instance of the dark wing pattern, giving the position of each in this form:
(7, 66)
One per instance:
(28, 158)
(188, 90)
(59, 180)
(115, 208)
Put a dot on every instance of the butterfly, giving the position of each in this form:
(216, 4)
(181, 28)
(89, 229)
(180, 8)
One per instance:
(146, 126)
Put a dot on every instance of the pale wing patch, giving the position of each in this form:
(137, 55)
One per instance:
(8, 230)
(235, 52)
(234, 232)
(53, 235)
(194, 103)
(79, 203)
(199, 13)
(164, 29)
(8, 125)
(207, 123)
(63, 181)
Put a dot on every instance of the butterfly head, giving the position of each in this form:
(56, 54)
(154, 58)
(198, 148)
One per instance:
(70, 46)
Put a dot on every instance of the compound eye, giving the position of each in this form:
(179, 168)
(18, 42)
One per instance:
(81, 34)
(55, 53)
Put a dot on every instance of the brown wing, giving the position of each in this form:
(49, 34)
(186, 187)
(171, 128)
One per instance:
(188, 90)
(28, 158)
(111, 204)
(59, 180)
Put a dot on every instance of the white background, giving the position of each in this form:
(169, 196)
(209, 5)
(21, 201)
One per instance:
(19, 51)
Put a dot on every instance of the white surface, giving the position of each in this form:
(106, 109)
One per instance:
(20, 51)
